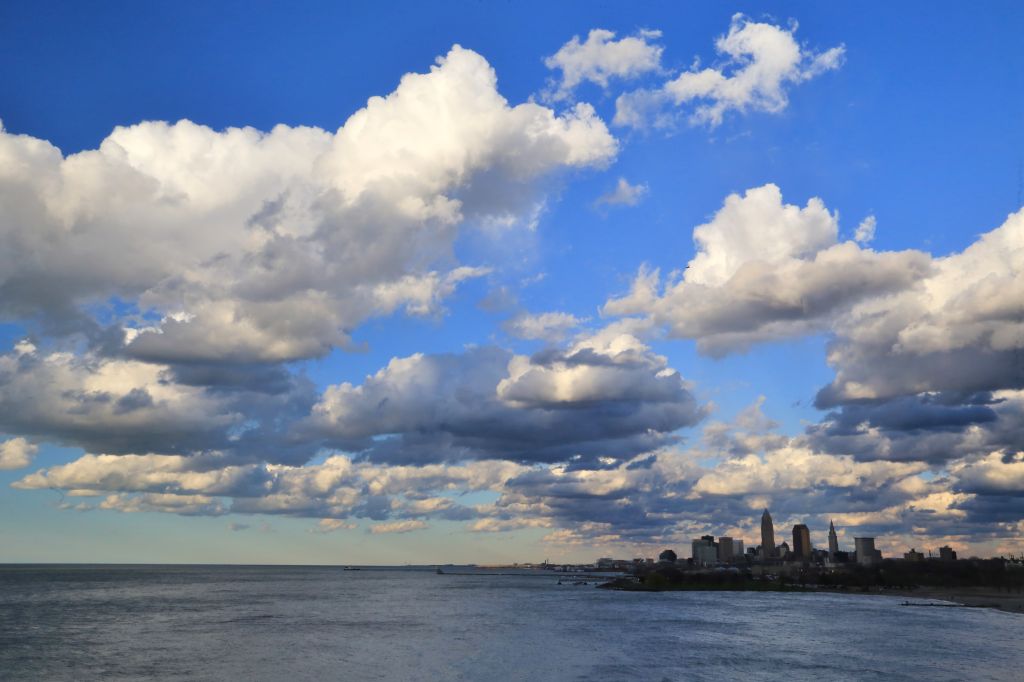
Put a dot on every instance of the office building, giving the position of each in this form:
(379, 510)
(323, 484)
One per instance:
(801, 542)
(947, 553)
(726, 551)
(833, 540)
(866, 553)
(705, 551)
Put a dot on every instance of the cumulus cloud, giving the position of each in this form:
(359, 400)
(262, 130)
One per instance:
(603, 396)
(601, 58)
(118, 405)
(16, 453)
(624, 194)
(961, 329)
(760, 62)
(241, 245)
(336, 488)
(551, 326)
(766, 270)
(669, 495)
(94, 401)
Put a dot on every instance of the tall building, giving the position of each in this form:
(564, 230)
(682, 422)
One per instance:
(737, 548)
(801, 541)
(833, 540)
(947, 553)
(767, 535)
(866, 552)
(726, 550)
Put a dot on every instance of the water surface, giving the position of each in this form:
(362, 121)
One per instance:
(316, 623)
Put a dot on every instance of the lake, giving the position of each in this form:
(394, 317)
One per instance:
(316, 623)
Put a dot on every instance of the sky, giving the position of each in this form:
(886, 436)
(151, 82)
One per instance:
(390, 283)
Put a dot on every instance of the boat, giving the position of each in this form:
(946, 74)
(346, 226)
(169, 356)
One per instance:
(351, 568)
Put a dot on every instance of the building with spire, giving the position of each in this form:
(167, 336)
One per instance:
(767, 535)
(833, 540)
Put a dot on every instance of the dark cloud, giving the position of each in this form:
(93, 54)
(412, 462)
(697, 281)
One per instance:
(489, 404)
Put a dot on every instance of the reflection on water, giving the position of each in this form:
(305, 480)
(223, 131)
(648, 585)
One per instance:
(271, 623)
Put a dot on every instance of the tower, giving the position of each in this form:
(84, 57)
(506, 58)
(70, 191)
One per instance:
(767, 535)
(833, 541)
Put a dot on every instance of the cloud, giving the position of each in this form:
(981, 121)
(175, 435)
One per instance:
(551, 326)
(398, 527)
(184, 505)
(865, 230)
(116, 405)
(601, 58)
(624, 194)
(959, 330)
(603, 396)
(16, 453)
(120, 405)
(247, 246)
(766, 270)
(932, 427)
(333, 525)
(760, 62)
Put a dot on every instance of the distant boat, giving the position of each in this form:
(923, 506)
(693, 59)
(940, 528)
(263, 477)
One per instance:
(351, 568)
(439, 571)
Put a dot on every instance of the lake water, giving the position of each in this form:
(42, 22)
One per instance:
(278, 623)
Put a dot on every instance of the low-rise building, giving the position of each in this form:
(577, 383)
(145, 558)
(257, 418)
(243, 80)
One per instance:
(913, 555)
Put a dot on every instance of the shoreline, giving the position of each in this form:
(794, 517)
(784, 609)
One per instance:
(973, 597)
(967, 597)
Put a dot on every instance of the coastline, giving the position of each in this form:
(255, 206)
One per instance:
(976, 597)
(971, 597)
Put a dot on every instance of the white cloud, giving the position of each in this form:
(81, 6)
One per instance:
(16, 453)
(550, 326)
(961, 328)
(865, 230)
(601, 58)
(760, 63)
(274, 246)
(766, 270)
(624, 194)
(795, 467)
(123, 405)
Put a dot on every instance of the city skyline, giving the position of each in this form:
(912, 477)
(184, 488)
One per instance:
(321, 286)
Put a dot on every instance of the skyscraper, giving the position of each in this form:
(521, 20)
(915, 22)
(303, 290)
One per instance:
(801, 541)
(767, 535)
(833, 541)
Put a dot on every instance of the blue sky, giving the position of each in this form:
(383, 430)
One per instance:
(257, 275)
